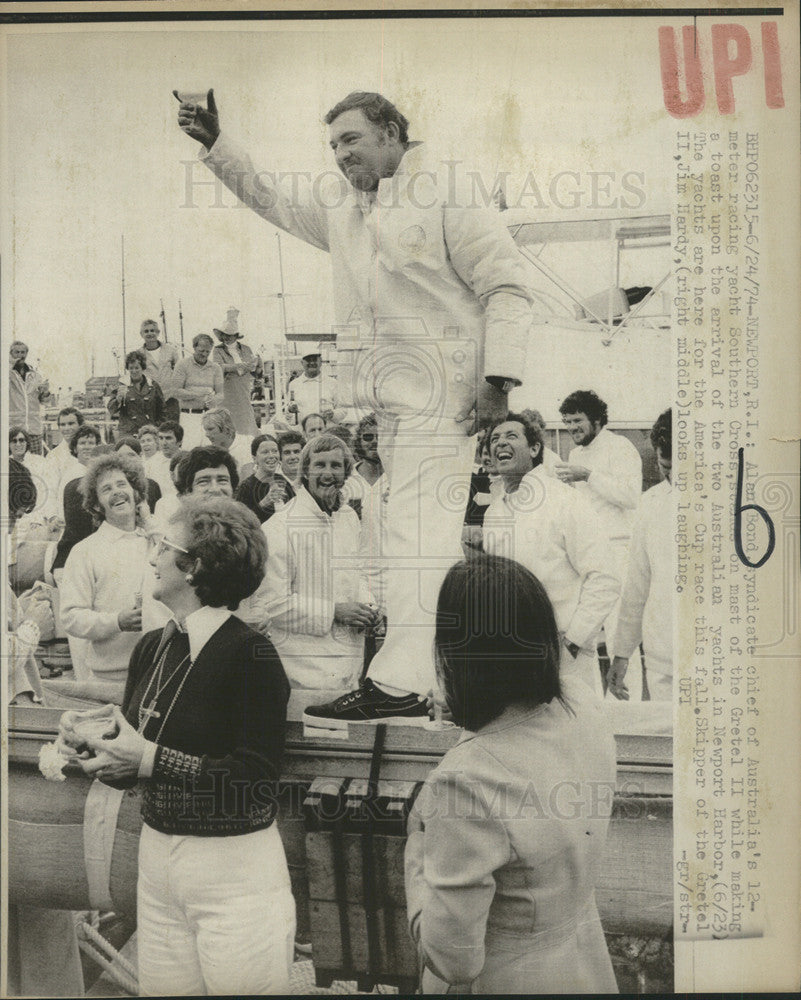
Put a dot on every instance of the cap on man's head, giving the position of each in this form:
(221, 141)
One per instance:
(313, 352)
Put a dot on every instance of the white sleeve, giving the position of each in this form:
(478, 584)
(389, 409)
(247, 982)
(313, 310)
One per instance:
(623, 485)
(485, 257)
(260, 191)
(635, 594)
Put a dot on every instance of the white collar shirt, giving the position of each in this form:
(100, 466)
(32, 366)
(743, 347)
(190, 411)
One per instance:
(201, 625)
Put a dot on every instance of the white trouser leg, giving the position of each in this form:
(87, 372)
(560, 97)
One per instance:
(429, 470)
(218, 917)
(167, 959)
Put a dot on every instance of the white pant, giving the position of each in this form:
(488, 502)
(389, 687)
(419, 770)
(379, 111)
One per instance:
(428, 464)
(215, 915)
(620, 552)
(194, 436)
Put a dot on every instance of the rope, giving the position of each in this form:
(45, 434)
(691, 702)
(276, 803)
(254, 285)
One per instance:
(117, 966)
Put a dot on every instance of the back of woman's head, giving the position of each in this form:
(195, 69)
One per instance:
(496, 640)
(226, 550)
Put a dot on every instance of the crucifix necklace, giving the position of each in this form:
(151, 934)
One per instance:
(149, 711)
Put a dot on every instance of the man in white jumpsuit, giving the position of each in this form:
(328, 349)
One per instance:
(607, 469)
(433, 310)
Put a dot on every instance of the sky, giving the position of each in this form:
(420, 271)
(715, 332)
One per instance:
(94, 154)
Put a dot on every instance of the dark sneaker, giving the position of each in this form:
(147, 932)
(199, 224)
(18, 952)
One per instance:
(368, 705)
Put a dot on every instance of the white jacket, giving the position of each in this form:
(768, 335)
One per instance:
(552, 531)
(431, 292)
(312, 564)
(614, 487)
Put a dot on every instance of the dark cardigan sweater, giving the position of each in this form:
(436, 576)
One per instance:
(219, 756)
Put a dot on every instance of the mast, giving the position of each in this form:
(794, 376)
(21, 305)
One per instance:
(124, 344)
(163, 321)
(282, 293)
(181, 323)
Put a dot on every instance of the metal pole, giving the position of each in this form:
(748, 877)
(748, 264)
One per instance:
(282, 295)
(181, 322)
(124, 344)
(163, 321)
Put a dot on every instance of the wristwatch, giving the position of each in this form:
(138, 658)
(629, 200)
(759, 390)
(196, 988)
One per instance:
(500, 383)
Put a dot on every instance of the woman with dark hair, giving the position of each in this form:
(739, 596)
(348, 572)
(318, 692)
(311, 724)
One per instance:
(139, 402)
(26, 487)
(266, 490)
(203, 722)
(507, 835)
(78, 522)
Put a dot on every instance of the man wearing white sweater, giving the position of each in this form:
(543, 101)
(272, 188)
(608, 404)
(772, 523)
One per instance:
(103, 582)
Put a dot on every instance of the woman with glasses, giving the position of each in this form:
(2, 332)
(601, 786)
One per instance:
(27, 491)
(202, 725)
(506, 838)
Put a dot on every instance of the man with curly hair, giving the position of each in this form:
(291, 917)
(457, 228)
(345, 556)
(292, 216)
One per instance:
(103, 582)
(607, 469)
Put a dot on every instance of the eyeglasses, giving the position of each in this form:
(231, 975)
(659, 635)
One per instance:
(19, 440)
(164, 543)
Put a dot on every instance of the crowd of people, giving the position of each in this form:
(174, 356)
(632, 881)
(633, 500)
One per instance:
(322, 498)
(377, 559)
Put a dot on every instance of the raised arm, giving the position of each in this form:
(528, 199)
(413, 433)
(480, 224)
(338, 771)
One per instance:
(301, 214)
